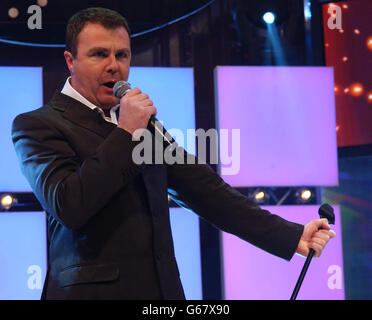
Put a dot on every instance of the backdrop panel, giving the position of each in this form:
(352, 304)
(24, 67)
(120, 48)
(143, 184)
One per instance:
(185, 231)
(250, 273)
(286, 118)
(172, 91)
(21, 90)
(23, 255)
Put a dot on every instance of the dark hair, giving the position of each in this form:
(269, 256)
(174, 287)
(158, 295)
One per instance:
(109, 19)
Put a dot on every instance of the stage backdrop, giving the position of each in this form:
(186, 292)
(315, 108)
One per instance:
(348, 48)
(280, 123)
(253, 274)
(22, 235)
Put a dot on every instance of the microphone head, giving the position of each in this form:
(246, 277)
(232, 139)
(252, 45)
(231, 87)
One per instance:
(326, 211)
(121, 88)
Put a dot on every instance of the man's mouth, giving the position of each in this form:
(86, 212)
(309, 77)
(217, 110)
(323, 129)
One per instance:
(109, 84)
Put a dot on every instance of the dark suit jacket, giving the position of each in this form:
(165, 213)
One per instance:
(109, 232)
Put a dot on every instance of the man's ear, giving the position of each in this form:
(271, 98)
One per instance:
(69, 61)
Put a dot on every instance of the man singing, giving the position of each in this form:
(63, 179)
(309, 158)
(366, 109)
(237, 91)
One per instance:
(109, 234)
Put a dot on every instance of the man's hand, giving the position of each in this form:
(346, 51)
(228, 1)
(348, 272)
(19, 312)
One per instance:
(135, 111)
(314, 238)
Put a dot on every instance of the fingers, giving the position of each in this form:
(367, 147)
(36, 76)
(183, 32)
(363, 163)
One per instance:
(135, 110)
(319, 240)
(322, 223)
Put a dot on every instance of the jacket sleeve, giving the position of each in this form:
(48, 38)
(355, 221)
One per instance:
(199, 188)
(69, 189)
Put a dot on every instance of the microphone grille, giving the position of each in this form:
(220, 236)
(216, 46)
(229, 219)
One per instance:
(121, 88)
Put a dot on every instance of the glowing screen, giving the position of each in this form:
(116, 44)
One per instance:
(21, 90)
(284, 118)
(185, 231)
(23, 255)
(348, 48)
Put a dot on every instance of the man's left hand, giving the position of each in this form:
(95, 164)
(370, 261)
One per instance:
(313, 238)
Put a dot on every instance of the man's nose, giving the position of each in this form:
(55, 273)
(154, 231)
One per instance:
(112, 64)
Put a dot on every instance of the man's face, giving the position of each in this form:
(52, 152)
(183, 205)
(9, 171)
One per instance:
(103, 57)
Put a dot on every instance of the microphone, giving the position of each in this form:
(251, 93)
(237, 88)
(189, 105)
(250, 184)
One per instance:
(120, 89)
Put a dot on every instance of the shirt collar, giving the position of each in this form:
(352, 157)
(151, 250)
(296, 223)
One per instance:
(68, 90)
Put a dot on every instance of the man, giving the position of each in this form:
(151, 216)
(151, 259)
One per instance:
(109, 233)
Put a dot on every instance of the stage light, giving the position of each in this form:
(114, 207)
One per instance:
(269, 17)
(13, 12)
(356, 89)
(307, 10)
(304, 195)
(369, 43)
(42, 3)
(369, 97)
(260, 196)
(7, 201)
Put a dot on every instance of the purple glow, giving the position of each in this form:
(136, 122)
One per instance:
(252, 274)
(286, 117)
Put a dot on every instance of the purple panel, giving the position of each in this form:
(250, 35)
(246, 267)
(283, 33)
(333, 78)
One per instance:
(251, 273)
(286, 118)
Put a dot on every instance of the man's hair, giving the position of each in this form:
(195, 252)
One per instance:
(109, 19)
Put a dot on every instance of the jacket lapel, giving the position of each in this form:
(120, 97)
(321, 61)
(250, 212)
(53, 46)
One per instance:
(81, 115)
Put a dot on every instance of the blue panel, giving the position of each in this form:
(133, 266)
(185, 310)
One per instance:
(185, 230)
(23, 255)
(21, 90)
(172, 91)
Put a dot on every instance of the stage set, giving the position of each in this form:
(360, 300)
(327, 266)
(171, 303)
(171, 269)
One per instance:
(287, 88)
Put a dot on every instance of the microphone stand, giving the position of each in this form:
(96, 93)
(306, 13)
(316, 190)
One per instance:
(325, 211)
(302, 274)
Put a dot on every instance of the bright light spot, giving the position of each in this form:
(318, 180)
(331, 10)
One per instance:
(306, 195)
(269, 17)
(369, 43)
(369, 97)
(7, 201)
(42, 3)
(13, 12)
(259, 196)
(356, 89)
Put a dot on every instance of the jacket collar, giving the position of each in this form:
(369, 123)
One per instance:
(80, 114)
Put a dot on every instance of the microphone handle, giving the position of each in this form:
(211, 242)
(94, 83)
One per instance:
(155, 126)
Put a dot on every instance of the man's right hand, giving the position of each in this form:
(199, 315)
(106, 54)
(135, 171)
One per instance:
(135, 111)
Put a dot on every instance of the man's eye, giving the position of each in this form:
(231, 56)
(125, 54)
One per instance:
(99, 54)
(122, 55)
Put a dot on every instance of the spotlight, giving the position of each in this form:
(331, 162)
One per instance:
(7, 201)
(13, 12)
(269, 17)
(304, 195)
(260, 196)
